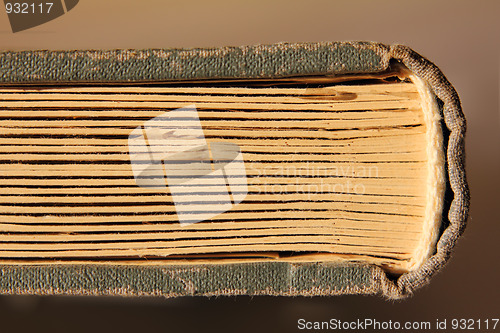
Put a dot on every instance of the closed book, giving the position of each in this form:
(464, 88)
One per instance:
(284, 169)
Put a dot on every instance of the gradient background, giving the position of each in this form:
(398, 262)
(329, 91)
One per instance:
(461, 37)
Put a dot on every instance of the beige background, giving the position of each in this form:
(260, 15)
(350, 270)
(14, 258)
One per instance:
(461, 37)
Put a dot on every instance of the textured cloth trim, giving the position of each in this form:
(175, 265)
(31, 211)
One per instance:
(455, 157)
(258, 278)
(259, 61)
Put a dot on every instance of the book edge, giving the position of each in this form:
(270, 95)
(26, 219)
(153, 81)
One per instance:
(456, 218)
(377, 61)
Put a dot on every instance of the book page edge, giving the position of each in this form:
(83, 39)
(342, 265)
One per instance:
(436, 178)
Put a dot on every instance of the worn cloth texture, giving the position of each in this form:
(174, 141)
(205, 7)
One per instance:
(248, 62)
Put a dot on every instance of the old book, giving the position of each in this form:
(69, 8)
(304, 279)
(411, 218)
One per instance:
(207, 181)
